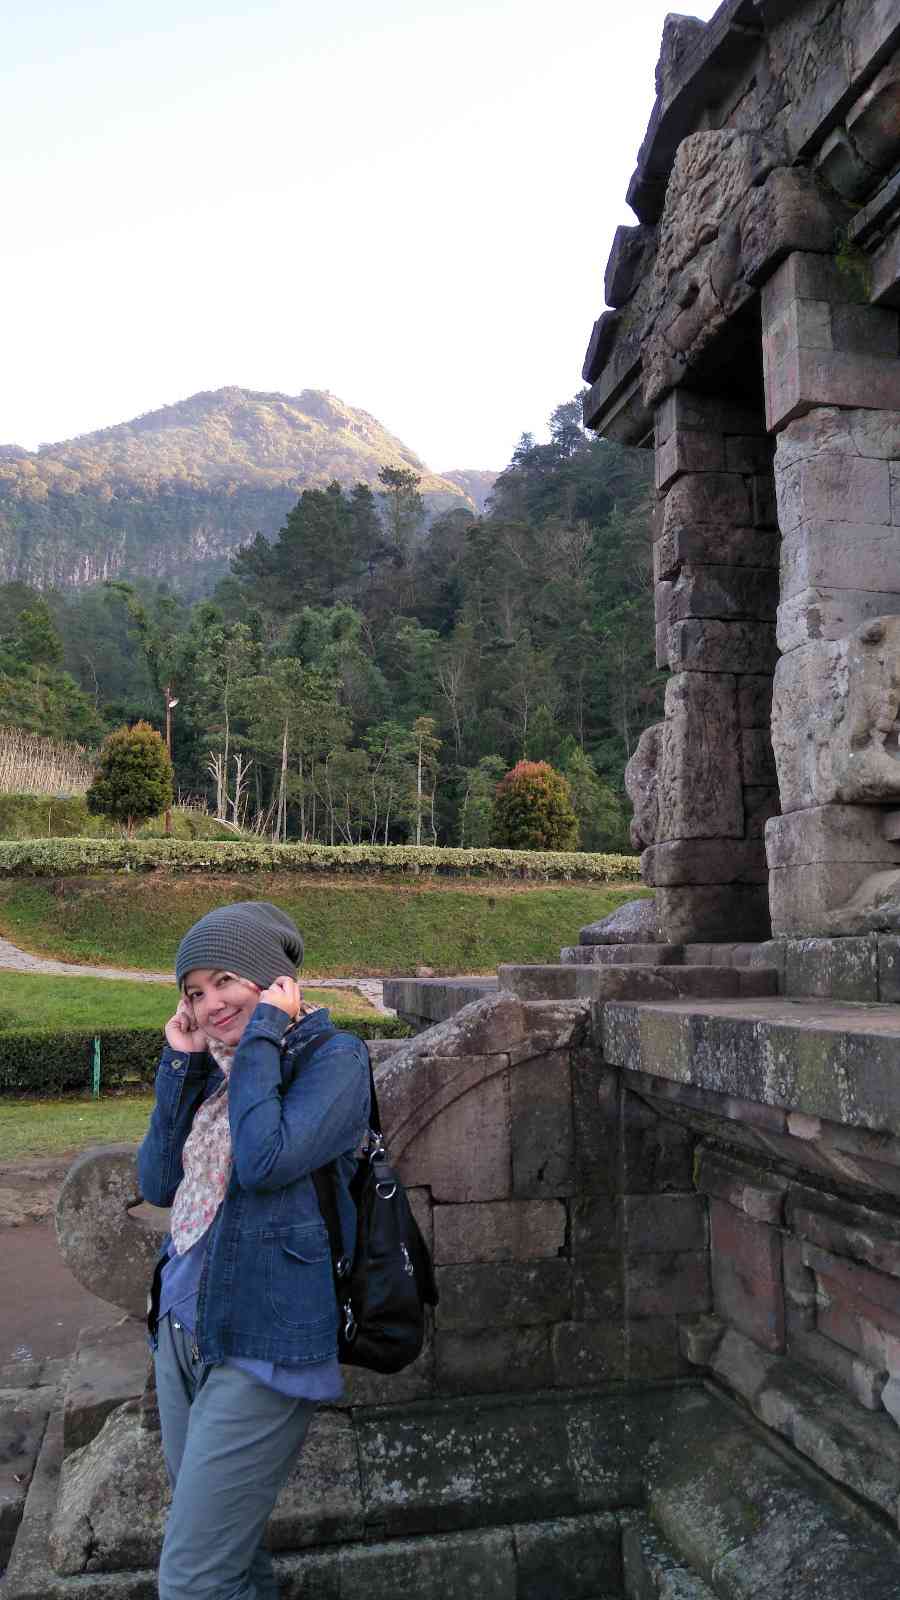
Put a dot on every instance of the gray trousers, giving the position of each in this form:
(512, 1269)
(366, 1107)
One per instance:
(229, 1444)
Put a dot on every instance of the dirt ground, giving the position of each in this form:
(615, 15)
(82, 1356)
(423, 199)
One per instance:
(42, 1307)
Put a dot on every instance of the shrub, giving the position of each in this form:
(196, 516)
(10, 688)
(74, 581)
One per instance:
(133, 781)
(60, 858)
(533, 809)
(44, 1062)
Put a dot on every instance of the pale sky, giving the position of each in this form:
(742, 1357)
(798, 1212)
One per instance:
(410, 204)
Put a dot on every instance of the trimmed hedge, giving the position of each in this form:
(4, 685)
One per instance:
(75, 857)
(46, 1062)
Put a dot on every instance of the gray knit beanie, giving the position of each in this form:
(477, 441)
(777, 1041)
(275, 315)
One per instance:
(251, 938)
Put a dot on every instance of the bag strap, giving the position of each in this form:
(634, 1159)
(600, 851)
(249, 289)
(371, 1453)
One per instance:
(325, 1183)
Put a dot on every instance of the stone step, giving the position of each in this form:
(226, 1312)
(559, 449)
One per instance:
(424, 1001)
(651, 1571)
(573, 981)
(615, 955)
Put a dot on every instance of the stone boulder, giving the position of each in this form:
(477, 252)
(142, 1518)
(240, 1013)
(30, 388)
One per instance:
(635, 922)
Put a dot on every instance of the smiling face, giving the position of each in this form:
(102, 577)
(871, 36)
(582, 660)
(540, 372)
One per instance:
(223, 1003)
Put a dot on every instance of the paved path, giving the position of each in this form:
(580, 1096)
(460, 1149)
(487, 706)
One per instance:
(15, 960)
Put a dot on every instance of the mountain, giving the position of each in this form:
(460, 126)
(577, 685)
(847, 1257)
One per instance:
(477, 485)
(174, 493)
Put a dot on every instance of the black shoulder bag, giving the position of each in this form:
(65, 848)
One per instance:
(382, 1293)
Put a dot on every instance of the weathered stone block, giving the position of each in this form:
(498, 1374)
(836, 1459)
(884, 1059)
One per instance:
(804, 378)
(597, 1290)
(705, 498)
(595, 1119)
(888, 969)
(110, 1367)
(839, 555)
(832, 487)
(723, 592)
(699, 777)
(757, 759)
(841, 969)
(714, 546)
(493, 1360)
(830, 834)
(700, 1337)
(761, 801)
(746, 1275)
(578, 1557)
(671, 1282)
(653, 1349)
(542, 1135)
(654, 1223)
(874, 120)
(642, 788)
(754, 692)
(503, 1294)
(741, 1364)
(466, 1153)
(593, 1225)
(753, 1191)
(657, 1154)
(548, 981)
(631, 252)
(714, 912)
(685, 410)
(688, 452)
(651, 1572)
(713, 646)
(455, 1565)
(748, 454)
(829, 613)
(23, 1418)
(588, 1353)
(701, 861)
(857, 1232)
(504, 1230)
(621, 955)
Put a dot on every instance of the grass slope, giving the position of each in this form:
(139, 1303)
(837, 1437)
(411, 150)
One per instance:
(59, 1126)
(36, 1000)
(350, 928)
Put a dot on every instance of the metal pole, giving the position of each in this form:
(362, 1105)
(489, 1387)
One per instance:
(169, 703)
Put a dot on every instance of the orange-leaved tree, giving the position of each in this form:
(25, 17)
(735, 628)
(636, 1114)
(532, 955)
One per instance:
(533, 809)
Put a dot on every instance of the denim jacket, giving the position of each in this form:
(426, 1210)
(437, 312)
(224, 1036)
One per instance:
(298, 1097)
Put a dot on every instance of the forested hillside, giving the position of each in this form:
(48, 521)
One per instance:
(174, 493)
(368, 674)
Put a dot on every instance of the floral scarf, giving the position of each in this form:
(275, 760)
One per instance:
(206, 1157)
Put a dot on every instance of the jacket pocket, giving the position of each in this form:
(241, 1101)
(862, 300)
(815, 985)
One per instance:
(299, 1277)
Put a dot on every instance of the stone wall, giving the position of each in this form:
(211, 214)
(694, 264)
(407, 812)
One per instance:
(754, 322)
(634, 1218)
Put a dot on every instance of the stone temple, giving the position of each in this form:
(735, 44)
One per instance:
(661, 1176)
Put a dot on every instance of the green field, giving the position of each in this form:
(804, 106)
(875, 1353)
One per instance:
(67, 1124)
(351, 928)
(34, 1000)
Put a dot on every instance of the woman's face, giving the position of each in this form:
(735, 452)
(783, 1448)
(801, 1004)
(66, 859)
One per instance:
(222, 1003)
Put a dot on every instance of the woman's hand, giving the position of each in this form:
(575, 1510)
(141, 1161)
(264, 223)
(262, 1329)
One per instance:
(182, 1031)
(285, 994)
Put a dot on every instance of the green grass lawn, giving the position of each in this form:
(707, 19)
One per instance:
(55, 1127)
(32, 1000)
(351, 928)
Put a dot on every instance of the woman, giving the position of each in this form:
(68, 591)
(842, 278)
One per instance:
(254, 1091)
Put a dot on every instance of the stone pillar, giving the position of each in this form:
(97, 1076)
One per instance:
(832, 378)
(715, 569)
